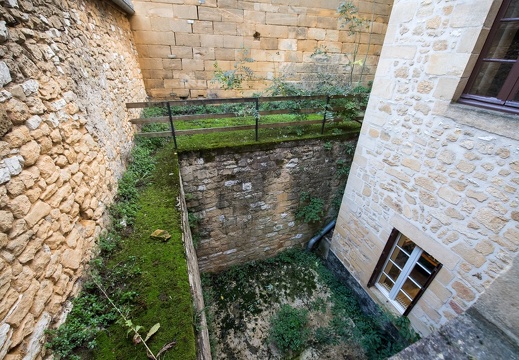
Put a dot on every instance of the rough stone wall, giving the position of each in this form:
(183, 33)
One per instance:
(66, 70)
(246, 199)
(444, 174)
(180, 41)
(203, 345)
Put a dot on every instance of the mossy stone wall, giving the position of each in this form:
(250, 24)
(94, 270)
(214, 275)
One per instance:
(246, 199)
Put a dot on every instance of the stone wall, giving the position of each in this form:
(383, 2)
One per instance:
(66, 70)
(443, 174)
(203, 345)
(246, 198)
(180, 41)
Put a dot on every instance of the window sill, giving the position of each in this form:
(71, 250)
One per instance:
(383, 301)
(492, 121)
(396, 305)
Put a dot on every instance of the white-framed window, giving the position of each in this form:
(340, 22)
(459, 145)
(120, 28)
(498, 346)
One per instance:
(403, 272)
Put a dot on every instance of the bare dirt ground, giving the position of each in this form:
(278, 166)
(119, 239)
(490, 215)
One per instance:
(245, 300)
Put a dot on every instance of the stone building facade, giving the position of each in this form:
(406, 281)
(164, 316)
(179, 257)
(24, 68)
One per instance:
(180, 41)
(67, 67)
(439, 175)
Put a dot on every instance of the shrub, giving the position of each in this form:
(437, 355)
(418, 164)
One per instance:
(288, 329)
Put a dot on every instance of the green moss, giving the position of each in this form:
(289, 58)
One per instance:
(266, 135)
(162, 286)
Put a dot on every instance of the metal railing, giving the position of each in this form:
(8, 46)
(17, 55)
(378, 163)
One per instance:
(328, 111)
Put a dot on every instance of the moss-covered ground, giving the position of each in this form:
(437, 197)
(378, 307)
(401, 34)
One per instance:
(145, 279)
(163, 289)
(248, 137)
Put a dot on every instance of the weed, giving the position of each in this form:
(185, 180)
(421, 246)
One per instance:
(343, 167)
(328, 146)
(312, 210)
(349, 149)
(289, 329)
(269, 281)
(324, 336)
(233, 79)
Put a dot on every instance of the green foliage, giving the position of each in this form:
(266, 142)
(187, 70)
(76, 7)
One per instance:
(328, 146)
(243, 291)
(349, 149)
(89, 314)
(289, 329)
(348, 15)
(349, 18)
(146, 280)
(312, 209)
(193, 220)
(233, 79)
(324, 336)
(140, 167)
(343, 167)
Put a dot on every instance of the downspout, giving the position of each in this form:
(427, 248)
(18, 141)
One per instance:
(125, 5)
(319, 236)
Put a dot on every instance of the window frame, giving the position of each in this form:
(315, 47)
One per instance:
(510, 88)
(406, 270)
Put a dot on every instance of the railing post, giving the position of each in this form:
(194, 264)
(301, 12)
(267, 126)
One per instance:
(257, 118)
(171, 124)
(325, 112)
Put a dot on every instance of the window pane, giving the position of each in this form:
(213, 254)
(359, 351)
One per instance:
(406, 244)
(399, 257)
(410, 288)
(419, 275)
(428, 262)
(490, 79)
(402, 300)
(506, 42)
(392, 271)
(513, 10)
(386, 282)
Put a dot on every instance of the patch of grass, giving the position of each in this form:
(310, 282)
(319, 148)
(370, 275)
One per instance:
(245, 116)
(247, 137)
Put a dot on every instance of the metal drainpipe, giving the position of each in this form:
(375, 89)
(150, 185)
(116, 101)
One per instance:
(126, 5)
(319, 236)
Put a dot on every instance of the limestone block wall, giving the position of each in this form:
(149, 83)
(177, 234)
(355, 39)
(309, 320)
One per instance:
(444, 174)
(66, 70)
(180, 41)
(246, 199)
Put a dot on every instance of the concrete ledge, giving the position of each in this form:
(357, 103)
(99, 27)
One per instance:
(469, 336)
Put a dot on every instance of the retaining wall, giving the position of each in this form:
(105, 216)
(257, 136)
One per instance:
(246, 198)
